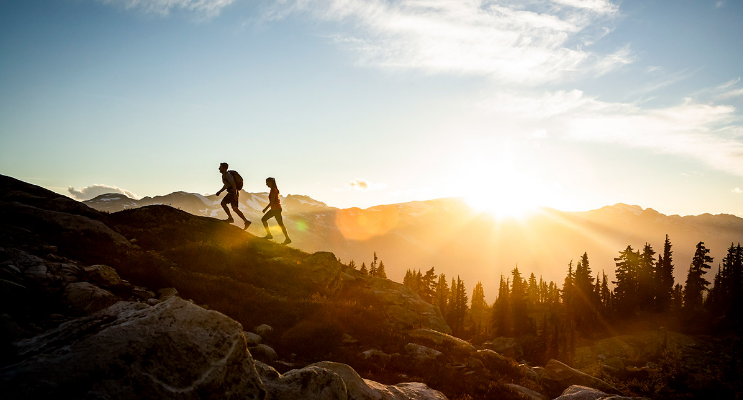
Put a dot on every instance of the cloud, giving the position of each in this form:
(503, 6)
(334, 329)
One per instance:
(508, 41)
(737, 190)
(90, 192)
(732, 93)
(205, 8)
(364, 185)
(708, 133)
(729, 83)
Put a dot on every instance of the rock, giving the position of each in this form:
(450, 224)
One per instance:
(166, 293)
(404, 309)
(376, 357)
(577, 392)
(539, 371)
(252, 339)
(447, 344)
(265, 331)
(87, 298)
(152, 302)
(508, 347)
(526, 393)
(637, 348)
(264, 353)
(173, 350)
(364, 389)
(558, 377)
(103, 275)
(348, 339)
(494, 361)
(324, 271)
(529, 373)
(422, 355)
(309, 383)
(142, 293)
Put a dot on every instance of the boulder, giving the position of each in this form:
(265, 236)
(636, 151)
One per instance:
(404, 309)
(86, 298)
(638, 348)
(577, 392)
(528, 373)
(365, 389)
(494, 361)
(376, 357)
(506, 346)
(558, 377)
(103, 275)
(446, 344)
(309, 383)
(422, 355)
(264, 353)
(526, 393)
(264, 330)
(252, 339)
(324, 271)
(174, 350)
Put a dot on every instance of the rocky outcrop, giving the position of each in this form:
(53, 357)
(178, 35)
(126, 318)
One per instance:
(329, 380)
(558, 377)
(324, 271)
(526, 393)
(404, 309)
(174, 350)
(578, 392)
(86, 298)
(442, 342)
(506, 346)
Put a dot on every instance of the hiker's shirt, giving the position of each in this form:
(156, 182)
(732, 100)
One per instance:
(229, 182)
(273, 199)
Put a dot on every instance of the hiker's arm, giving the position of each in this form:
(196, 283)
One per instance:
(221, 190)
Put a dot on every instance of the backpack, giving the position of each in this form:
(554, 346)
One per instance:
(238, 180)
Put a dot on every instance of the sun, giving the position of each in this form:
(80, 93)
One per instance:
(505, 191)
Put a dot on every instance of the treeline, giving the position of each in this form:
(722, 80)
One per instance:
(374, 268)
(584, 303)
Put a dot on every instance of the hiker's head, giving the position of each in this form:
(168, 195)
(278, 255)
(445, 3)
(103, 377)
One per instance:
(223, 167)
(271, 182)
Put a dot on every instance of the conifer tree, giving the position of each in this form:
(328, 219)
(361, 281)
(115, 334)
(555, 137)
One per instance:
(646, 277)
(351, 265)
(363, 269)
(533, 291)
(519, 301)
(664, 278)
(380, 271)
(695, 282)
(677, 299)
(501, 310)
(478, 298)
(626, 289)
(428, 282)
(442, 294)
(373, 267)
(407, 280)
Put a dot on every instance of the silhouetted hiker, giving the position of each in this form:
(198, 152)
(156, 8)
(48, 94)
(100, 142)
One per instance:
(273, 202)
(233, 182)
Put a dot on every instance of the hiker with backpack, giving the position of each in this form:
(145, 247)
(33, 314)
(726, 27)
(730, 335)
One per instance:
(275, 205)
(233, 182)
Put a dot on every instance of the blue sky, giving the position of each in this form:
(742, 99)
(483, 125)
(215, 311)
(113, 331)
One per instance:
(564, 103)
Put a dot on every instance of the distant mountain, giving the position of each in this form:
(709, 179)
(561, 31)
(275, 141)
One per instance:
(458, 241)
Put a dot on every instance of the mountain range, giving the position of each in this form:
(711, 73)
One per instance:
(457, 240)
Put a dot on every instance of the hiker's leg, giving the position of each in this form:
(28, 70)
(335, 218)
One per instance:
(265, 221)
(224, 206)
(239, 213)
(280, 220)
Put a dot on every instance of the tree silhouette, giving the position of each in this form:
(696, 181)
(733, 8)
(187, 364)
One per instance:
(695, 282)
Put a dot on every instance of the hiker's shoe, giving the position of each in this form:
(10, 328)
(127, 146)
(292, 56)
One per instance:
(247, 224)
(287, 241)
(229, 220)
(269, 236)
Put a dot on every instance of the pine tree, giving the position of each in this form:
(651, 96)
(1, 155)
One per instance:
(533, 291)
(373, 267)
(626, 289)
(519, 301)
(605, 294)
(352, 265)
(478, 298)
(501, 310)
(428, 282)
(442, 294)
(408, 279)
(695, 282)
(363, 269)
(380, 271)
(646, 277)
(664, 281)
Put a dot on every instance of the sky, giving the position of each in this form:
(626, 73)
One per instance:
(570, 104)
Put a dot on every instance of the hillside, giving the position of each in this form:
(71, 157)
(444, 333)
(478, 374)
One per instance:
(458, 241)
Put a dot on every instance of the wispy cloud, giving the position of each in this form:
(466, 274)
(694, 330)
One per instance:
(729, 83)
(737, 190)
(732, 93)
(705, 132)
(205, 8)
(92, 191)
(363, 185)
(509, 41)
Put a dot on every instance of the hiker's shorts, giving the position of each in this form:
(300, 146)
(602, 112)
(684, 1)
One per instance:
(231, 198)
(274, 213)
